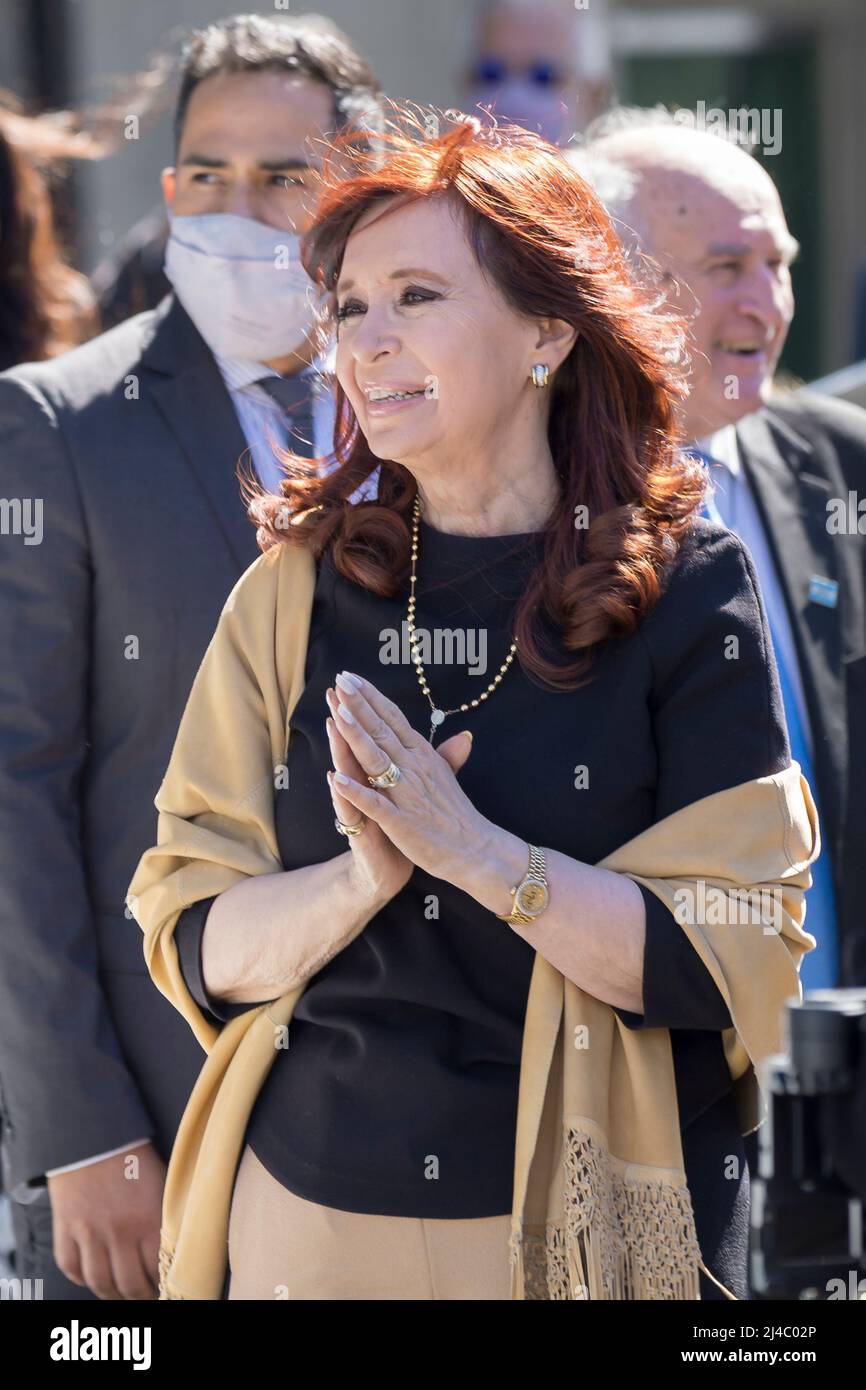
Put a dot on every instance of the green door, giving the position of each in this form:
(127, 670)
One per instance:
(783, 78)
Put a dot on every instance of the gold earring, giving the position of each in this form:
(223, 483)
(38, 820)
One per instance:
(540, 374)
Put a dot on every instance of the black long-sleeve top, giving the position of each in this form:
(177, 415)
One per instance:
(398, 1091)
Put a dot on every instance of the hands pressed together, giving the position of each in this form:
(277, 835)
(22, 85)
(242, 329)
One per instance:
(424, 818)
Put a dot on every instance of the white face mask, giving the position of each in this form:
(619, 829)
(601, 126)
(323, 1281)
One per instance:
(523, 103)
(242, 284)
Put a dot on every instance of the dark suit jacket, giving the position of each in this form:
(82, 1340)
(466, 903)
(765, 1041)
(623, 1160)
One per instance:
(131, 442)
(799, 453)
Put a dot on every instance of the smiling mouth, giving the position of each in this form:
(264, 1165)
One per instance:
(743, 349)
(379, 395)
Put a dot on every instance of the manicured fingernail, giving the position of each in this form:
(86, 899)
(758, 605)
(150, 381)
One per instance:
(346, 714)
(468, 733)
(341, 777)
(346, 681)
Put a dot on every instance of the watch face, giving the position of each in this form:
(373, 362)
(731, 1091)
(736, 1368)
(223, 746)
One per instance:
(532, 898)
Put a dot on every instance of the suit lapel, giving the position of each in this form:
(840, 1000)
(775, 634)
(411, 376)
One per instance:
(791, 488)
(189, 393)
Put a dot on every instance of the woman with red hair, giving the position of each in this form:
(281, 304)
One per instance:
(535, 576)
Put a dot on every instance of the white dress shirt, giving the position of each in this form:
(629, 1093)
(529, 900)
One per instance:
(97, 1158)
(262, 422)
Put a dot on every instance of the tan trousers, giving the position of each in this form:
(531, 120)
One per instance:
(284, 1247)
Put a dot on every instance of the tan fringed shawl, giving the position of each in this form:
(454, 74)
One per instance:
(601, 1209)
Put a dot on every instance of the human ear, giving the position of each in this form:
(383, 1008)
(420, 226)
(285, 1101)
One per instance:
(168, 183)
(554, 341)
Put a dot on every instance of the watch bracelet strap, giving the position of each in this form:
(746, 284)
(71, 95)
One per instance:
(537, 869)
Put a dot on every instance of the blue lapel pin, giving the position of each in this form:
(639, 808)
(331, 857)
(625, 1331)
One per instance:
(823, 591)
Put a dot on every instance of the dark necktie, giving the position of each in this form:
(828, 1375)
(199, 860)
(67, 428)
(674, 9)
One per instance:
(294, 396)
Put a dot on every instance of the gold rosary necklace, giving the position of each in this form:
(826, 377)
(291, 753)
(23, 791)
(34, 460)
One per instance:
(438, 715)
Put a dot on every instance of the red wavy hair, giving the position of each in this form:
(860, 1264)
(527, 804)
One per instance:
(544, 238)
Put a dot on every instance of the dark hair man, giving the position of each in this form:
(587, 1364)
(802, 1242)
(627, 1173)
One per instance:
(119, 468)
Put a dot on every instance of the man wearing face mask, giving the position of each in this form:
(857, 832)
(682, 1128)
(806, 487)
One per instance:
(541, 64)
(119, 462)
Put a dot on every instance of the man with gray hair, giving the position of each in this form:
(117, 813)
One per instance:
(781, 468)
(710, 217)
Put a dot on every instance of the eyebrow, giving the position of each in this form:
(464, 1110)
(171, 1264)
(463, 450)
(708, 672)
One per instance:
(731, 248)
(270, 165)
(793, 248)
(410, 273)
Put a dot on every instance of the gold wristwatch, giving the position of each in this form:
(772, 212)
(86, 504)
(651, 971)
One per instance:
(531, 895)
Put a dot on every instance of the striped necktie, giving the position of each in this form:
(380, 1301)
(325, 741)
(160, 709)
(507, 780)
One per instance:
(820, 968)
(294, 396)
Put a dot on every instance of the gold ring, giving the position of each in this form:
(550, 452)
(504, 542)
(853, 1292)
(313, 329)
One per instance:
(386, 778)
(351, 829)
